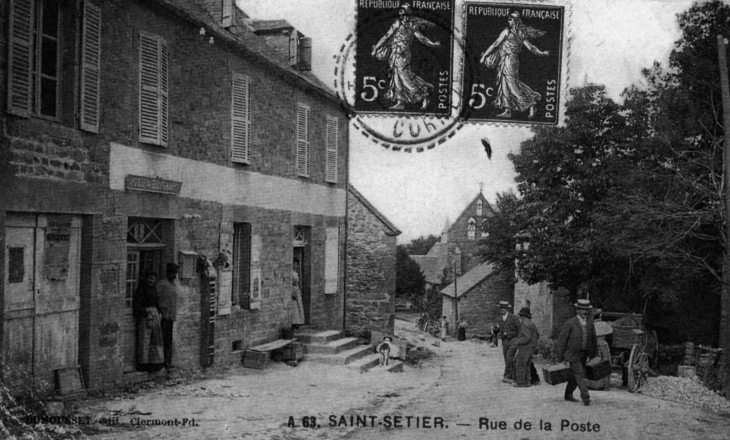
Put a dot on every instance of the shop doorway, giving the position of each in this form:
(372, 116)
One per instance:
(302, 264)
(147, 251)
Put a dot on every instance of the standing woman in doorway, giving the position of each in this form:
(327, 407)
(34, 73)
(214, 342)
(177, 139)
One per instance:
(146, 303)
(297, 307)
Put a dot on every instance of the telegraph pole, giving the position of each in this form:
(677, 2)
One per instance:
(722, 43)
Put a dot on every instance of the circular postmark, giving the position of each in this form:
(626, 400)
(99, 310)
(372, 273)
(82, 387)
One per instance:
(395, 75)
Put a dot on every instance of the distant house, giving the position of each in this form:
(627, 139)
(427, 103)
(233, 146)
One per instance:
(458, 249)
(370, 280)
(475, 297)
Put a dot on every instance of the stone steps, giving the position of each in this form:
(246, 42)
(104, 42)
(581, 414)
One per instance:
(331, 347)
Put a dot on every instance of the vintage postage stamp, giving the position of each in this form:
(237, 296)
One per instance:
(404, 57)
(519, 65)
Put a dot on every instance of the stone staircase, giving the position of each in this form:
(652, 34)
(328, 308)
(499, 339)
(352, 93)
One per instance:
(332, 347)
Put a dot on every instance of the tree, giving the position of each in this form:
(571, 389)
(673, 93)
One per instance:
(409, 281)
(421, 245)
(504, 230)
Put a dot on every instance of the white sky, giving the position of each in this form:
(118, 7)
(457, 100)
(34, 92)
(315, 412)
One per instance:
(612, 40)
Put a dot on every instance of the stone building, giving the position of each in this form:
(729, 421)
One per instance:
(550, 308)
(458, 249)
(475, 297)
(143, 132)
(371, 245)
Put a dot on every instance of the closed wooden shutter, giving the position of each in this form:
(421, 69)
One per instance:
(293, 48)
(241, 264)
(90, 69)
(240, 119)
(19, 57)
(303, 114)
(331, 260)
(153, 90)
(331, 141)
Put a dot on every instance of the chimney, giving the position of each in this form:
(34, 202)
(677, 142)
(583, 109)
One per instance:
(305, 54)
(227, 16)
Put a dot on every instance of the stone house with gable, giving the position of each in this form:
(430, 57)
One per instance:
(371, 262)
(143, 132)
(458, 247)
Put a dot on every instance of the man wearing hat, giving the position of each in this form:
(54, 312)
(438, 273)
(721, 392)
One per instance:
(168, 307)
(577, 343)
(526, 343)
(509, 328)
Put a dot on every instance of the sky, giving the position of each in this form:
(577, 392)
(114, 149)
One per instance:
(610, 42)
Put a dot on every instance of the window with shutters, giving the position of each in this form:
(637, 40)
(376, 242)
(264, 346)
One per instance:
(303, 140)
(331, 141)
(240, 119)
(241, 264)
(153, 89)
(89, 112)
(34, 58)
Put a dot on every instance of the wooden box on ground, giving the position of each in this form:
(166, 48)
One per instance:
(556, 374)
(256, 359)
(597, 369)
(293, 352)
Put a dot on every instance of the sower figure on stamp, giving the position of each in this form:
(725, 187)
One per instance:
(404, 87)
(526, 344)
(577, 343)
(504, 55)
(509, 328)
(168, 308)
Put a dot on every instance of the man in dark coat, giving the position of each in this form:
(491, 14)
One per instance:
(509, 328)
(577, 343)
(526, 344)
(168, 308)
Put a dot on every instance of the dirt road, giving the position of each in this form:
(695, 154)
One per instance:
(458, 394)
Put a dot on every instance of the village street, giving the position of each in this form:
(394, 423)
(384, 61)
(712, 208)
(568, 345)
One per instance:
(461, 384)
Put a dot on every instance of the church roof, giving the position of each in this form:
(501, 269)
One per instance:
(465, 213)
(470, 280)
(390, 227)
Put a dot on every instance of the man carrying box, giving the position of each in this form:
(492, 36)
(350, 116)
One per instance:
(576, 344)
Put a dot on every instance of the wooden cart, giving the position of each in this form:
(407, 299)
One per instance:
(634, 349)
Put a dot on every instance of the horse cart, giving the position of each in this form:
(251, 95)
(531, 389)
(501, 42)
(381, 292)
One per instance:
(633, 348)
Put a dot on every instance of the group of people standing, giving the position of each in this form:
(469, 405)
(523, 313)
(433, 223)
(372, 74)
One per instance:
(576, 344)
(155, 310)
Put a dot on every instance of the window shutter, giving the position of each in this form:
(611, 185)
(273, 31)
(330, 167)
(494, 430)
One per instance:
(90, 70)
(240, 119)
(331, 260)
(331, 141)
(164, 57)
(303, 136)
(293, 48)
(19, 57)
(153, 99)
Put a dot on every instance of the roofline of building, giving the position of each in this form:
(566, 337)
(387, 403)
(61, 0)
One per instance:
(231, 39)
(376, 213)
(467, 207)
(477, 284)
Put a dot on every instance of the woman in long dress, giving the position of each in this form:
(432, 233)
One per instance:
(513, 94)
(146, 302)
(297, 308)
(404, 87)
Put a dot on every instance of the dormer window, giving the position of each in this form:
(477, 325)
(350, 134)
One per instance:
(479, 207)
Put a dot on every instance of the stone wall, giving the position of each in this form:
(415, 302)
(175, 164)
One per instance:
(458, 233)
(549, 308)
(370, 271)
(480, 306)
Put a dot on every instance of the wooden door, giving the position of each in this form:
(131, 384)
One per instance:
(139, 262)
(41, 318)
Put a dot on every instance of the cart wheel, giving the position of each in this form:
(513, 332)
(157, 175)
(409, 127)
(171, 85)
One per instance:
(637, 367)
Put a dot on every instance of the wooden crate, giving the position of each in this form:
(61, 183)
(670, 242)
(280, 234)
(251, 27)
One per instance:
(293, 352)
(598, 370)
(556, 374)
(256, 359)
